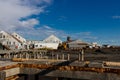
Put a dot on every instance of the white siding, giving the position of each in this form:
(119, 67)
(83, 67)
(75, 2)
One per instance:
(23, 40)
(77, 44)
(8, 40)
(46, 45)
(52, 39)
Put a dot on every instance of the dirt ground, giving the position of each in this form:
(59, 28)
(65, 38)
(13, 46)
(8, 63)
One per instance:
(106, 54)
(101, 54)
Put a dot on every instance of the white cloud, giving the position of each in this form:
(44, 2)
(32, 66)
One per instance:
(40, 33)
(110, 41)
(29, 23)
(62, 18)
(48, 1)
(83, 33)
(47, 27)
(11, 11)
(84, 36)
(116, 17)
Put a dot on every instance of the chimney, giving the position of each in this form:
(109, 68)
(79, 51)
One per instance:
(68, 38)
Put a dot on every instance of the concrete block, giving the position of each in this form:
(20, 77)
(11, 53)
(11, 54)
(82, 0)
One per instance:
(2, 75)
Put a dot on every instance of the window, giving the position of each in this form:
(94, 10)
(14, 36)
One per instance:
(40, 45)
(13, 42)
(36, 45)
(9, 42)
(3, 36)
(0, 35)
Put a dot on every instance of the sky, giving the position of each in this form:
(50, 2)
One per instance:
(87, 20)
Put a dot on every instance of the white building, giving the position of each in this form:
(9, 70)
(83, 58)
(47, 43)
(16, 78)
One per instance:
(52, 39)
(46, 45)
(15, 41)
(21, 40)
(77, 44)
(51, 42)
(8, 41)
(94, 45)
(32, 43)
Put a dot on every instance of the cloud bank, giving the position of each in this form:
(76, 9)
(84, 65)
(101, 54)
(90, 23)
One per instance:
(11, 11)
(116, 17)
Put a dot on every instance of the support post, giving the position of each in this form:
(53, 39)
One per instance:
(82, 53)
(41, 55)
(79, 56)
(20, 55)
(63, 56)
(52, 55)
(34, 55)
(2, 75)
(68, 56)
(57, 56)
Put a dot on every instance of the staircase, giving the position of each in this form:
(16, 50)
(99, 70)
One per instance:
(6, 47)
(3, 47)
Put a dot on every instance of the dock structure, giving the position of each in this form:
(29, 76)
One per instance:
(38, 64)
(27, 54)
(38, 54)
(58, 69)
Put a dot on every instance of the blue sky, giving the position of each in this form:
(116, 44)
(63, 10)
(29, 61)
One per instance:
(98, 17)
(88, 20)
